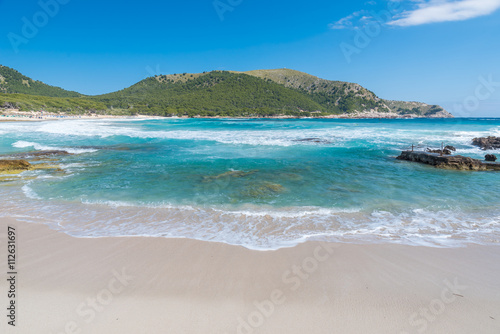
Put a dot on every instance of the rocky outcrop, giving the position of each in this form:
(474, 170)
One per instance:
(444, 151)
(451, 148)
(14, 166)
(457, 162)
(416, 109)
(19, 166)
(487, 143)
(490, 157)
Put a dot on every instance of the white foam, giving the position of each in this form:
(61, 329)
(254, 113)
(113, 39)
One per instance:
(30, 193)
(289, 212)
(339, 134)
(118, 204)
(261, 229)
(37, 146)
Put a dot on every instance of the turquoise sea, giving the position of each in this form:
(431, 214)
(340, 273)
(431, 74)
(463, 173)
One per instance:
(260, 183)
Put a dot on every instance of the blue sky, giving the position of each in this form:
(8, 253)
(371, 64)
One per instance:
(443, 52)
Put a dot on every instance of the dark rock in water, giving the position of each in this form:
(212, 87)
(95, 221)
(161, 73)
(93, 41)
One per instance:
(445, 151)
(39, 154)
(451, 148)
(313, 140)
(490, 157)
(457, 162)
(14, 166)
(487, 143)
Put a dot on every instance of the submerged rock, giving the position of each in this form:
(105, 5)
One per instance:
(487, 143)
(314, 140)
(38, 154)
(291, 176)
(457, 162)
(490, 157)
(14, 166)
(343, 190)
(264, 189)
(47, 167)
(111, 147)
(231, 173)
(7, 178)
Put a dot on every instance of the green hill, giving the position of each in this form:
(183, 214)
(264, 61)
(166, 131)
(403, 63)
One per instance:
(333, 92)
(264, 93)
(217, 93)
(11, 81)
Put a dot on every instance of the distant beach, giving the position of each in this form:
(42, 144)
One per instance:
(16, 115)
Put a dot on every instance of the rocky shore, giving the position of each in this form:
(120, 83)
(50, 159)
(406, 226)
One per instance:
(487, 143)
(11, 164)
(457, 162)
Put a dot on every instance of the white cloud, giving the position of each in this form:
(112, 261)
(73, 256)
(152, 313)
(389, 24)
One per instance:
(433, 11)
(347, 22)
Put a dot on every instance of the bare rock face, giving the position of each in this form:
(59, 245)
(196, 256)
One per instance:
(457, 162)
(490, 157)
(487, 143)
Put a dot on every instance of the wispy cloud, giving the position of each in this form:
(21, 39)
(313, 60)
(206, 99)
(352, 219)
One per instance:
(364, 17)
(350, 21)
(433, 11)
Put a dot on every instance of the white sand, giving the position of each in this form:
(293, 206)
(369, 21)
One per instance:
(69, 285)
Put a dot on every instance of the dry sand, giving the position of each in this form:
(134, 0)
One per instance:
(156, 285)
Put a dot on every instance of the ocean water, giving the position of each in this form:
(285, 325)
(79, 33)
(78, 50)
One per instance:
(255, 182)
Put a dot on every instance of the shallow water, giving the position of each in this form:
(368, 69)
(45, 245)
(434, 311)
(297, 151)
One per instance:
(255, 183)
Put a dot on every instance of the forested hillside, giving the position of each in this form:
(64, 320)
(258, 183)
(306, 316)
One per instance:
(11, 81)
(217, 93)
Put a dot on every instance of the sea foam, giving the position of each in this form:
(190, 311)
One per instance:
(37, 146)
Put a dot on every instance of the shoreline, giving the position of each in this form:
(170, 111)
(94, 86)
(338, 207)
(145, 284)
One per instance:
(137, 285)
(16, 115)
(147, 117)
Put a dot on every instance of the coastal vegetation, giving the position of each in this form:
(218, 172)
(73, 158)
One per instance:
(261, 93)
(72, 105)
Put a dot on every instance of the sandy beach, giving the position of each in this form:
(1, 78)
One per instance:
(13, 115)
(158, 285)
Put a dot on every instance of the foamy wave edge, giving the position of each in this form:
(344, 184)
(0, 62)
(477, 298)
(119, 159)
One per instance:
(41, 147)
